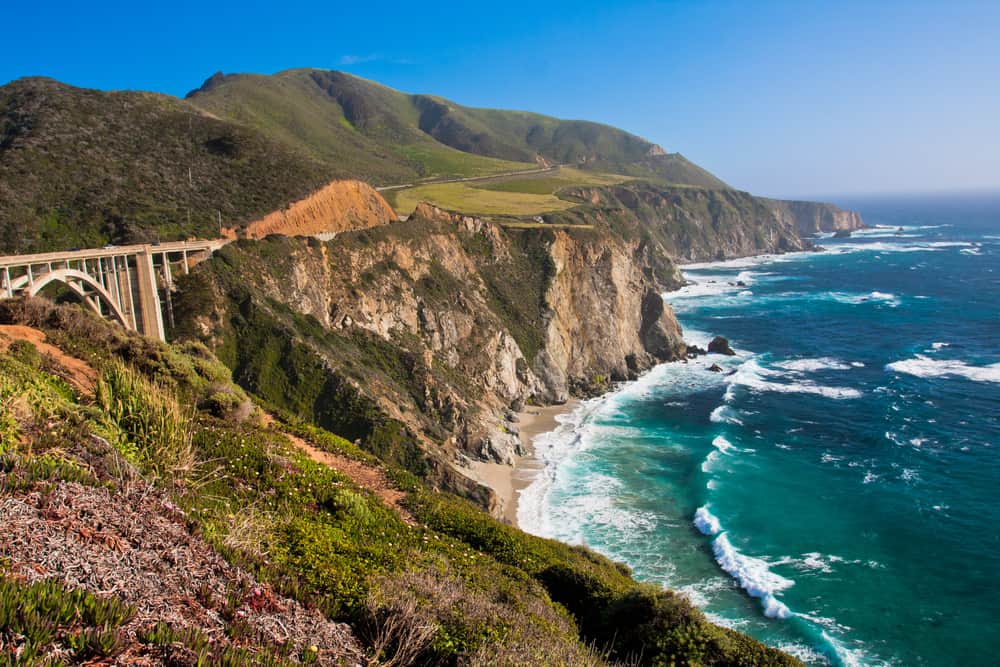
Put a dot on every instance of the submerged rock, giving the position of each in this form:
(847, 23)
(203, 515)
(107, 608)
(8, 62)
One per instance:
(715, 368)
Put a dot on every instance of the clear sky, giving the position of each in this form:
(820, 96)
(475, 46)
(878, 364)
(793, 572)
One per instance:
(779, 98)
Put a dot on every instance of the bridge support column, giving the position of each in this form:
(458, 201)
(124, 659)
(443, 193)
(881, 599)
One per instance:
(149, 299)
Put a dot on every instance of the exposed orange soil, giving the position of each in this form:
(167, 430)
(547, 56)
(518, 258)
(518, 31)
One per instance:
(80, 375)
(336, 207)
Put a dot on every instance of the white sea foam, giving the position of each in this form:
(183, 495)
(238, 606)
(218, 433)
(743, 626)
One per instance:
(818, 364)
(870, 297)
(701, 592)
(722, 444)
(938, 346)
(754, 576)
(899, 246)
(706, 522)
(708, 463)
(751, 374)
(806, 654)
(725, 415)
(925, 367)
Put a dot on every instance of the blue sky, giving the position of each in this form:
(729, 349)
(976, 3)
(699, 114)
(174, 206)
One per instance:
(779, 98)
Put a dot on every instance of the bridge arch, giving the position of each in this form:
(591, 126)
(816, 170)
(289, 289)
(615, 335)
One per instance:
(74, 280)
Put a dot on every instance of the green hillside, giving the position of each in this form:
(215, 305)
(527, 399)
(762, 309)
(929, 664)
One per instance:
(325, 111)
(83, 167)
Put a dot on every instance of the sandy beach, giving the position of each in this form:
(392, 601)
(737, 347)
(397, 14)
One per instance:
(508, 481)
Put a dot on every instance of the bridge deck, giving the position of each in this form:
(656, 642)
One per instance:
(110, 251)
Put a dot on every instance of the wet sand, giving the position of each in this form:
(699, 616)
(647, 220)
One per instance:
(507, 481)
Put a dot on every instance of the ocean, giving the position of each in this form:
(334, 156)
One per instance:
(835, 492)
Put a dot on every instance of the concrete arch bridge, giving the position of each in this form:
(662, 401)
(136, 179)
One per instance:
(131, 285)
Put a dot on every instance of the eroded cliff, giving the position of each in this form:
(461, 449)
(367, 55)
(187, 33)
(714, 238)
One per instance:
(684, 223)
(809, 218)
(419, 337)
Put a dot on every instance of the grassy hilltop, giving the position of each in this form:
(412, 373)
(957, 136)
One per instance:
(84, 167)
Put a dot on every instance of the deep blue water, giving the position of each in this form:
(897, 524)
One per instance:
(837, 495)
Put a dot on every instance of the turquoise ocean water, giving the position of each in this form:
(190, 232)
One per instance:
(838, 494)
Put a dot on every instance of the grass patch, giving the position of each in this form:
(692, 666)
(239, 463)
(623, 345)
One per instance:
(514, 195)
(468, 199)
(445, 161)
(548, 182)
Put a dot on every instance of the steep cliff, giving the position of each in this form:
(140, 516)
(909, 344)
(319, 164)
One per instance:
(684, 223)
(419, 337)
(809, 217)
(336, 207)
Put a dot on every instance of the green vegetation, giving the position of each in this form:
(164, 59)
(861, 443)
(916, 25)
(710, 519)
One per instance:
(150, 425)
(80, 168)
(468, 199)
(442, 584)
(325, 113)
(44, 615)
(527, 194)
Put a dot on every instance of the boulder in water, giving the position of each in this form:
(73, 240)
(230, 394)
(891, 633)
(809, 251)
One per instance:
(694, 351)
(720, 345)
(715, 368)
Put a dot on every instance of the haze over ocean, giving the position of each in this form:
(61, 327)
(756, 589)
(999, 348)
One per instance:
(837, 495)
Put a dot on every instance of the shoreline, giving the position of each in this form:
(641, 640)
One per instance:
(509, 481)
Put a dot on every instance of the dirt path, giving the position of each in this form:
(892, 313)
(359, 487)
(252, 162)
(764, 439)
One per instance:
(367, 477)
(80, 375)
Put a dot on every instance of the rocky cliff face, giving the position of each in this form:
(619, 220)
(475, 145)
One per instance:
(809, 218)
(687, 224)
(423, 335)
(336, 207)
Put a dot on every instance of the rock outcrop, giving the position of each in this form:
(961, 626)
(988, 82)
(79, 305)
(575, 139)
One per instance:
(809, 218)
(338, 206)
(686, 224)
(720, 345)
(439, 325)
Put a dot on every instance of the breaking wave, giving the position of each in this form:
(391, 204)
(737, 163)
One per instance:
(924, 367)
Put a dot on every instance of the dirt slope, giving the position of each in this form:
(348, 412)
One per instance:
(336, 207)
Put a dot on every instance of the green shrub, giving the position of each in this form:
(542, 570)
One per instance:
(155, 429)
(47, 615)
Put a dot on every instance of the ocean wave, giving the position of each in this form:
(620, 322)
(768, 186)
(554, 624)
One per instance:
(722, 444)
(724, 414)
(752, 375)
(925, 367)
(817, 364)
(754, 575)
(878, 297)
(901, 246)
(706, 522)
